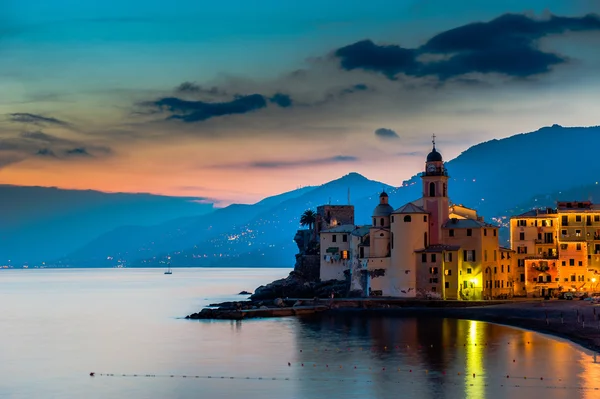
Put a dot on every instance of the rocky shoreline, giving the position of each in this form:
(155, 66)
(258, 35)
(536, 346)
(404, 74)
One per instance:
(577, 321)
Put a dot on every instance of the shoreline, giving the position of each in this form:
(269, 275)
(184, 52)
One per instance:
(576, 321)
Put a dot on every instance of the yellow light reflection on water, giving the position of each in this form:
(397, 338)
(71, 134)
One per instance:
(474, 361)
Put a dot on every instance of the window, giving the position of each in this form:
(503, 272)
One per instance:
(469, 270)
(448, 256)
(521, 236)
(564, 246)
(433, 270)
(579, 246)
(485, 232)
(495, 270)
(495, 255)
(434, 289)
(345, 255)
(577, 233)
(432, 189)
(563, 233)
(465, 284)
(334, 238)
(485, 255)
(520, 262)
(522, 278)
(572, 277)
(469, 232)
(447, 284)
(433, 258)
(508, 268)
(495, 232)
(580, 263)
(407, 218)
(424, 258)
(564, 262)
(596, 218)
(571, 262)
(522, 223)
(521, 250)
(469, 256)
(344, 238)
(425, 243)
(448, 272)
(451, 232)
(425, 218)
(578, 218)
(565, 220)
(381, 221)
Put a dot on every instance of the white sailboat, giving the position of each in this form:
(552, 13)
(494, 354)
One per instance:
(169, 271)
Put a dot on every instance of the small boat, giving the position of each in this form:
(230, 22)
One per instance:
(169, 271)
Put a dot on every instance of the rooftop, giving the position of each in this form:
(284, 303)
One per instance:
(410, 208)
(342, 228)
(466, 224)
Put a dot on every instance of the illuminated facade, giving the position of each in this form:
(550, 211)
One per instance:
(425, 248)
(557, 249)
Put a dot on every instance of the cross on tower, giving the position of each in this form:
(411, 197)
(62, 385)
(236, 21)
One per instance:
(433, 140)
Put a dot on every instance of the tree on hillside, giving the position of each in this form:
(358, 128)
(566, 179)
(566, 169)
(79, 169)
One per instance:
(308, 218)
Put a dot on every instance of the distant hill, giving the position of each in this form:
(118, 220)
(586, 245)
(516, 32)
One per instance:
(43, 223)
(238, 235)
(498, 178)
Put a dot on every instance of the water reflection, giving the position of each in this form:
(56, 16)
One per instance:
(440, 358)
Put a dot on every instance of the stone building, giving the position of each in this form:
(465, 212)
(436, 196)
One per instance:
(425, 248)
(557, 249)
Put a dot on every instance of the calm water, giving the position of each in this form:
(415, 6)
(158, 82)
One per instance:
(56, 326)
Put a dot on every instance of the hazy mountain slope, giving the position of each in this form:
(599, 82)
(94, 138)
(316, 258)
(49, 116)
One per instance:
(267, 240)
(132, 243)
(43, 223)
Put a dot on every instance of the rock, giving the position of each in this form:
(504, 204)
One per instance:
(245, 293)
(279, 302)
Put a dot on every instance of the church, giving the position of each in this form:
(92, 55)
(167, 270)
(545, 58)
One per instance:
(427, 248)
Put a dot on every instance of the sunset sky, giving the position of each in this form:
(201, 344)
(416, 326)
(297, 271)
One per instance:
(233, 101)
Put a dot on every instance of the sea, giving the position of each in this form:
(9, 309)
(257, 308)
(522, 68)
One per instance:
(128, 327)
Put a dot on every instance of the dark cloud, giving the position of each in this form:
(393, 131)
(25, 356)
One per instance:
(46, 152)
(387, 59)
(23, 117)
(291, 163)
(28, 144)
(507, 45)
(197, 111)
(307, 162)
(190, 87)
(79, 151)
(283, 100)
(355, 88)
(386, 134)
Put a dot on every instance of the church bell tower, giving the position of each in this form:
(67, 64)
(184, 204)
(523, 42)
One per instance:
(435, 194)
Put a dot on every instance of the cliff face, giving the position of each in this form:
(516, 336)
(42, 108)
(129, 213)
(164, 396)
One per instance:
(303, 281)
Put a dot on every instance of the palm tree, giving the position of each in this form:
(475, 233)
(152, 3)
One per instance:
(308, 218)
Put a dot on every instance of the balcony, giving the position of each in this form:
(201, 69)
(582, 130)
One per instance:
(572, 238)
(542, 256)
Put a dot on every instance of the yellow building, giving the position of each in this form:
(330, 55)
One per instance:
(557, 249)
(426, 248)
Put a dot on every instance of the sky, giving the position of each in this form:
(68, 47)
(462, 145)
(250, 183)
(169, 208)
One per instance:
(233, 101)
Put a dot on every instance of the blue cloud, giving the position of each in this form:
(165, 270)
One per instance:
(386, 134)
(506, 45)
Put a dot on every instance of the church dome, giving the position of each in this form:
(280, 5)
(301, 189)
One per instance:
(383, 210)
(434, 156)
(383, 194)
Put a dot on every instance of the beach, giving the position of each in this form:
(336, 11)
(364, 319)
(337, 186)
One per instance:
(575, 320)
